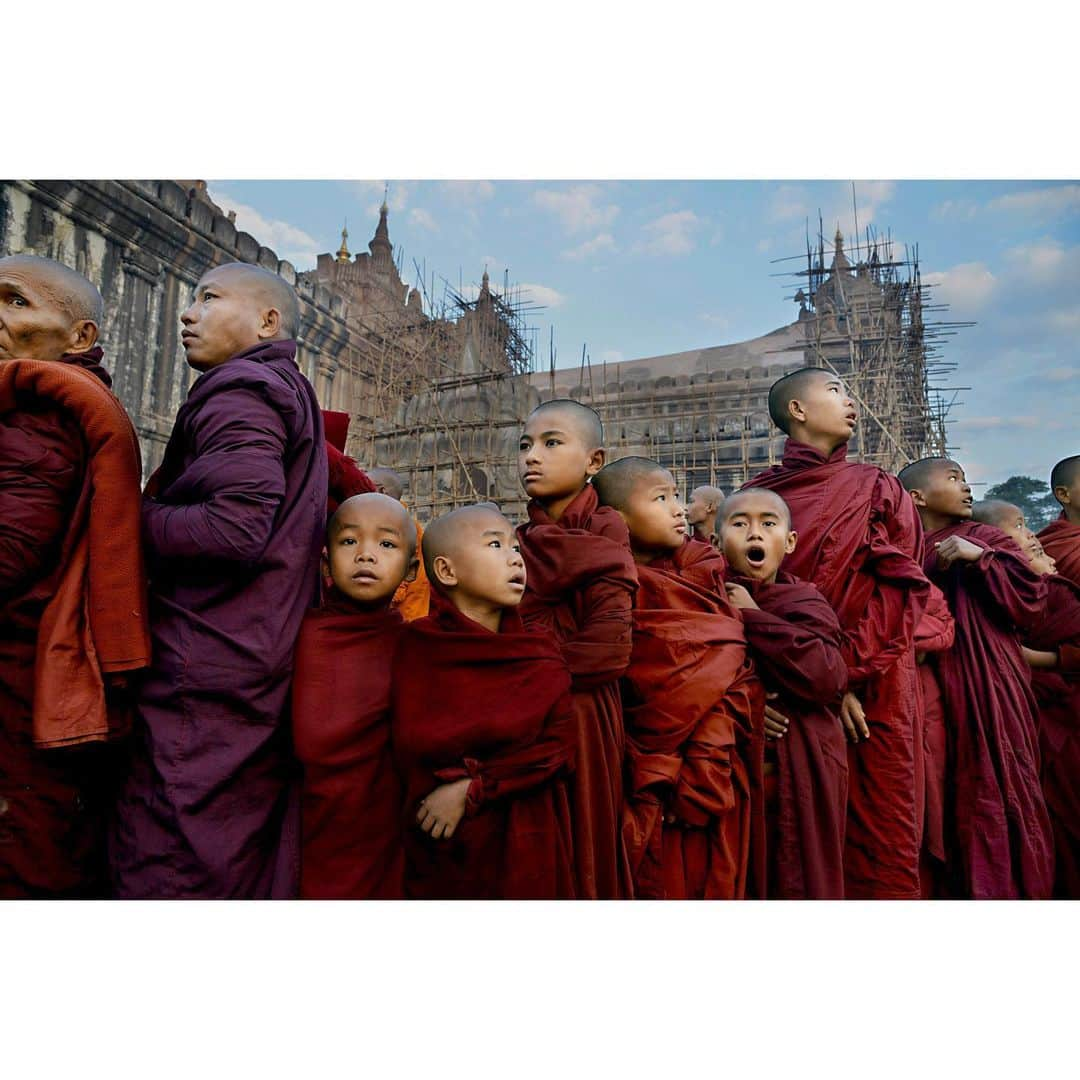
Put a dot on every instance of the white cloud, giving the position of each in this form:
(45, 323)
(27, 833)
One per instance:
(578, 208)
(672, 234)
(541, 294)
(955, 210)
(421, 219)
(371, 193)
(789, 203)
(288, 241)
(468, 191)
(1067, 320)
(966, 287)
(1046, 262)
(1001, 423)
(1051, 202)
(721, 322)
(602, 242)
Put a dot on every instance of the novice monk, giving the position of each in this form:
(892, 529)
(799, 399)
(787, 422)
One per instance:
(351, 796)
(234, 521)
(1061, 538)
(581, 587)
(482, 726)
(701, 512)
(998, 839)
(73, 621)
(413, 596)
(794, 639)
(859, 543)
(690, 700)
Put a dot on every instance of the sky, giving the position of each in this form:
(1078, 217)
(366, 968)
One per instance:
(628, 269)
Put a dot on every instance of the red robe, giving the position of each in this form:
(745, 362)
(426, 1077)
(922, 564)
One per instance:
(494, 708)
(1061, 541)
(1057, 691)
(690, 702)
(581, 582)
(859, 542)
(794, 639)
(999, 843)
(344, 477)
(351, 795)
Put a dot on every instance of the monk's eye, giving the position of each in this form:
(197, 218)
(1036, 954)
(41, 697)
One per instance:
(18, 301)
(524, 444)
(552, 442)
(389, 544)
(494, 544)
(348, 541)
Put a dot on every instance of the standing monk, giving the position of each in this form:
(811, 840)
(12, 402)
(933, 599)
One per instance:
(701, 512)
(72, 594)
(580, 588)
(233, 521)
(1061, 538)
(859, 542)
(412, 600)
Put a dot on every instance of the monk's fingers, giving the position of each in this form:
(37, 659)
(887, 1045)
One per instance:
(421, 813)
(849, 724)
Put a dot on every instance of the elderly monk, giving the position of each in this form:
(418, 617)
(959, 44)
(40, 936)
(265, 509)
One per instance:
(72, 595)
(413, 597)
(701, 512)
(234, 521)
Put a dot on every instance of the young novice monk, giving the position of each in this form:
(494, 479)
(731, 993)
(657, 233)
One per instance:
(794, 639)
(580, 589)
(860, 544)
(690, 701)
(234, 521)
(999, 843)
(1061, 538)
(701, 512)
(351, 796)
(413, 595)
(482, 726)
(73, 625)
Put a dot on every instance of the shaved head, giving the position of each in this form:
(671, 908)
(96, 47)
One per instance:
(272, 290)
(1065, 472)
(708, 494)
(586, 421)
(615, 483)
(68, 290)
(444, 536)
(743, 496)
(918, 474)
(790, 388)
(996, 512)
(368, 504)
(387, 481)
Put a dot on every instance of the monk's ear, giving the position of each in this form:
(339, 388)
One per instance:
(796, 411)
(413, 570)
(1061, 493)
(597, 460)
(84, 335)
(790, 542)
(271, 324)
(443, 569)
(917, 497)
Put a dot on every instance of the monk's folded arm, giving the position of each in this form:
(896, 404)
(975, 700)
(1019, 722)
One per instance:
(600, 651)
(794, 660)
(1006, 582)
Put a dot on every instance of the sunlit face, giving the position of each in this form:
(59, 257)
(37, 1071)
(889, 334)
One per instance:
(945, 492)
(698, 508)
(554, 458)
(34, 324)
(825, 409)
(369, 554)
(654, 516)
(226, 317)
(754, 535)
(484, 564)
(1014, 525)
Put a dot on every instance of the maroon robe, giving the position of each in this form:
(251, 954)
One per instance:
(344, 477)
(234, 522)
(690, 703)
(998, 840)
(794, 639)
(581, 582)
(351, 798)
(1061, 541)
(1057, 691)
(494, 708)
(859, 542)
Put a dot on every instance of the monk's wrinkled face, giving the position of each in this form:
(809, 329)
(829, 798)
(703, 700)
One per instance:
(755, 535)
(654, 516)
(35, 323)
(945, 492)
(371, 549)
(228, 315)
(824, 409)
(554, 456)
(483, 564)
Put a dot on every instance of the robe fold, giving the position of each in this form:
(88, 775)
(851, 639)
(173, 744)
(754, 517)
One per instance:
(351, 796)
(580, 589)
(998, 837)
(1061, 541)
(691, 702)
(859, 543)
(794, 641)
(234, 522)
(1057, 692)
(72, 615)
(493, 708)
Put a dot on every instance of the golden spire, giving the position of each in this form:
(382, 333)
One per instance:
(343, 255)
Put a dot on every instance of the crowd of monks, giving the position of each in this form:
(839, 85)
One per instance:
(258, 677)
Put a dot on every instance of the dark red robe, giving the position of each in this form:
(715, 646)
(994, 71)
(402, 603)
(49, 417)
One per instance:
(1061, 541)
(494, 708)
(690, 704)
(234, 521)
(794, 640)
(998, 839)
(859, 543)
(581, 582)
(1057, 691)
(344, 477)
(351, 798)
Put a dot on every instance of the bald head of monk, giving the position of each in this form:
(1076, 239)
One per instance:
(561, 447)
(236, 307)
(472, 557)
(701, 511)
(939, 490)
(812, 406)
(755, 533)
(1065, 484)
(387, 481)
(644, 494)
(370, 548)
(1008, 518)
(46, 309)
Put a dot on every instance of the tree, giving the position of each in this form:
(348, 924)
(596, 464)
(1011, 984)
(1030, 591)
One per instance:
(1033, 497)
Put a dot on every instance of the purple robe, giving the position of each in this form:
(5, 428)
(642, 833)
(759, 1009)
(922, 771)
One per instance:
(233, 522)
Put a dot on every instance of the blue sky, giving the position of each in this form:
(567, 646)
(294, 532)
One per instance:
(638, 268)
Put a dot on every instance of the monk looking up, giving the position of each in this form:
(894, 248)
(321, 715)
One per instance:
(73, 623)
(690, 700)
(998, 840)
(413, 596)
(859, 543)
(482, 726)
(580, 589)
(794, 639)
(701, 512)
(1061, 538)
(351, 796)
(234, 521)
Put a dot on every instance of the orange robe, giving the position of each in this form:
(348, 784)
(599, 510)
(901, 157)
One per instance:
(412, 599)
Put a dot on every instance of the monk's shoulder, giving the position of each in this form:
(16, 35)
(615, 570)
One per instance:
(40, 438)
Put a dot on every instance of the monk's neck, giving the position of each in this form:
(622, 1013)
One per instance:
(646, 558)
(933, 521)
(487, 615)
(1072, 514)
(555, 508)
(704, 531)
(825, 445)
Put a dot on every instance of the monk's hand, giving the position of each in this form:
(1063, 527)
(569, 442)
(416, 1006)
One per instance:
(1039, 659)
(441, 811)
(776, 723)
(957, 549)
(853, 717)
(738, 596)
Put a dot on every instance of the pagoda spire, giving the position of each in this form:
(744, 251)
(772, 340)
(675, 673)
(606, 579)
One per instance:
(343, 255)
(381, 248)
